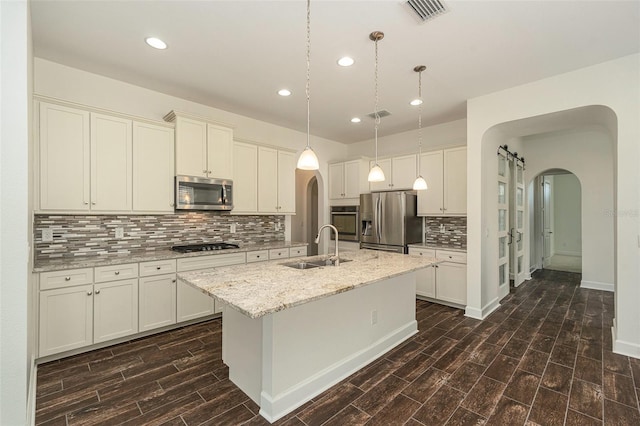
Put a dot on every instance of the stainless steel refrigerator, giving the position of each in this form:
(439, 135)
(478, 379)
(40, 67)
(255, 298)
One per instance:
(389, 221)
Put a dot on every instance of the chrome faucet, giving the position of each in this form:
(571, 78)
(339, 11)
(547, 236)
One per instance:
(337, 259)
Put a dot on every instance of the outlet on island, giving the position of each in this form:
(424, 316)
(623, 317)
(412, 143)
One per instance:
(374, 317)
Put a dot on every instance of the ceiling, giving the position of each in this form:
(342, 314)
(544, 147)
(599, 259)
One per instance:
(235, 55)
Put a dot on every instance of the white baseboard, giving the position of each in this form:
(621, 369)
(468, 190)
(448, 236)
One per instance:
(273, 407)
(624, 348)
(31, 393)
(594, 285)
(484, 312)
(569, 253)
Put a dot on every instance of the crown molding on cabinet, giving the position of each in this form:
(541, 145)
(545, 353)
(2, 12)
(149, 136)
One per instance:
(171, 117)
(266, 145)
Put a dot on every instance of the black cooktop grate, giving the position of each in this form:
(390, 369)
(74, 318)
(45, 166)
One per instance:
(204, 247)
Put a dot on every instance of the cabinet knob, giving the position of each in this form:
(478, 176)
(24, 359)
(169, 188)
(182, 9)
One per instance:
(173, 281)
(158, 267)
(89, 293)
(420, 253)
(204, 171)
(117, 272)
(97, 291)
(450, 257)
(93, 203)
(258, 256)
(209, 171)
(67, 278)
(86, 203)
(171, 205)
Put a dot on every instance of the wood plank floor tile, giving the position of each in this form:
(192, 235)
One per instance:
(620, 415)
(509, 412)
(619, 388)
(464, 417)
(235, 416)
(502, 368)
(397, 412)
(440, 406)
(375, 399)
(328, 405)
(484, 396)
(426, 385)
(549, 408)
(578, 419)
(349, 415)
(557, 378)
(586, 398)
(414, 368)
(522, 387)
(466, 376)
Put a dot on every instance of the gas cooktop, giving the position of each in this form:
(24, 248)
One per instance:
(204, 247)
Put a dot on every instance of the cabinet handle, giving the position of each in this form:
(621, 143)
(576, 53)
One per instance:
(67, 278)
(93, 203)
(97, 291)
(86, 203)
(89, 293)
(117, 272)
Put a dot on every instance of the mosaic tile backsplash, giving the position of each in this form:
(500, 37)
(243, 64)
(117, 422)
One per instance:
(454, 235)
(84, 235)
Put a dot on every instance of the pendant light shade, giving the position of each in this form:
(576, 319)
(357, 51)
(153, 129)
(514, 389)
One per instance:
(419, 184)
(376, 174)
(308, 159)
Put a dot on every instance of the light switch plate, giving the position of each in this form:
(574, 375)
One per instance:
(119, 233)
(47, 235)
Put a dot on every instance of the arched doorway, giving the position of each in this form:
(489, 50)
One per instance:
(304, 224)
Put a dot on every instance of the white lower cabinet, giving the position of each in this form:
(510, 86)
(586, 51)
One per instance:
(66, 319)
(192, 303)
(115, 309)
(447, 281)
(157, 301)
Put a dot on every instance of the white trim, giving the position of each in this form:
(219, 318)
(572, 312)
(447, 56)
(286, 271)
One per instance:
(594, 285)
(484, 312)
(624, 348)
(569, 253)
(273, 408)
(31, 393)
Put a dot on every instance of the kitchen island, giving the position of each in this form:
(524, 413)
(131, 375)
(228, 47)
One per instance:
(288, 334)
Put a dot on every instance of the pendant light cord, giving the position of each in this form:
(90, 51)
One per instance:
(308, 69)
(419, 121)
(377, 116)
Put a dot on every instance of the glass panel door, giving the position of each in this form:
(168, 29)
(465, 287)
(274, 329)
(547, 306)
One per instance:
(519, 195)
(504, 240)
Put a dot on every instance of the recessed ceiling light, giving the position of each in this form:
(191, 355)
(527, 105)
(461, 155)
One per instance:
(284, 92)
(416, 102)
(345, 61)
(156, 43)
(355, 120)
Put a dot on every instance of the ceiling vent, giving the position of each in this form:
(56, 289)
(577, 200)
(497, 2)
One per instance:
(427, 9)
(382, 113)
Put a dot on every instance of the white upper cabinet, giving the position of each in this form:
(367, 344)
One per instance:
(245, 183)
(64, 154)
(347, 179)
(286, 182)
(446, 175)
(111, 163)
(153, 168)
(202, 149)
(399, 172)
(276, 181)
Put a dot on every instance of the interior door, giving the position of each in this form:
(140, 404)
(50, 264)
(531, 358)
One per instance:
(518, 224)
(504, 236)
(547, 220)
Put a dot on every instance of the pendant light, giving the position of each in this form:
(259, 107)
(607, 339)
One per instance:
(308, 159)
(376, 174)
(419, 183)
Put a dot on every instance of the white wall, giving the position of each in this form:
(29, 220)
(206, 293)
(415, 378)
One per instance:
(435, 137)
(14, 213)
(614, 85)
(567, 213)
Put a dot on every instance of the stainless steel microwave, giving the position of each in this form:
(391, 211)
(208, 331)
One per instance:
(198, 193)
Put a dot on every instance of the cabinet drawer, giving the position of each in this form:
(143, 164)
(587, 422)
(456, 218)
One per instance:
(257, 256)
(297, 251)
(422, 252)
(282, 253)
(68, 278)
(157, 267)
(116, 272)
(452, 256)
(204, 262)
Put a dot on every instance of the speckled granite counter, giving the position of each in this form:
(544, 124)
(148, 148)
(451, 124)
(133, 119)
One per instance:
(260, 289)
(90, 262)
(438, 247)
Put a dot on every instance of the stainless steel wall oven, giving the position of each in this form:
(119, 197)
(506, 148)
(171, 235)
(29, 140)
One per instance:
(347, 220)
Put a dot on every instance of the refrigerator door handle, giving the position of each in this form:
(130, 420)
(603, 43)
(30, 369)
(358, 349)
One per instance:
(379, 219)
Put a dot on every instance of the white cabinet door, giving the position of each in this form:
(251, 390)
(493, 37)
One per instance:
(111, 163)
(157, 301)
(191, 147)
(385, 165)
(267, 180)
(64, 151)
(403, 172)
(245, 181)
(153, 168)
(192, 303)
(352, 179)
(286, 182)
(451, 282)
(66, 319)
(455, 181)
(336, 181)
(115, 309)
(426, 282)
(431, 169)
(219, 152)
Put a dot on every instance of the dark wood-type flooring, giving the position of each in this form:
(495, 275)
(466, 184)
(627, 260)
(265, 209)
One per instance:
(544, 357)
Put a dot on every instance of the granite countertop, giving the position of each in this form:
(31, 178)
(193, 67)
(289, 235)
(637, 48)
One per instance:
(263, 288)
(438, 247)
(119, 259)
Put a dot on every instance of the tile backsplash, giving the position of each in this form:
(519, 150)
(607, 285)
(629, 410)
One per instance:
(94, 235)
(454, 235)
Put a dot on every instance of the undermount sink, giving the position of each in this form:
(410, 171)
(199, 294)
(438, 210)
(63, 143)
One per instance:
(315, 263)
